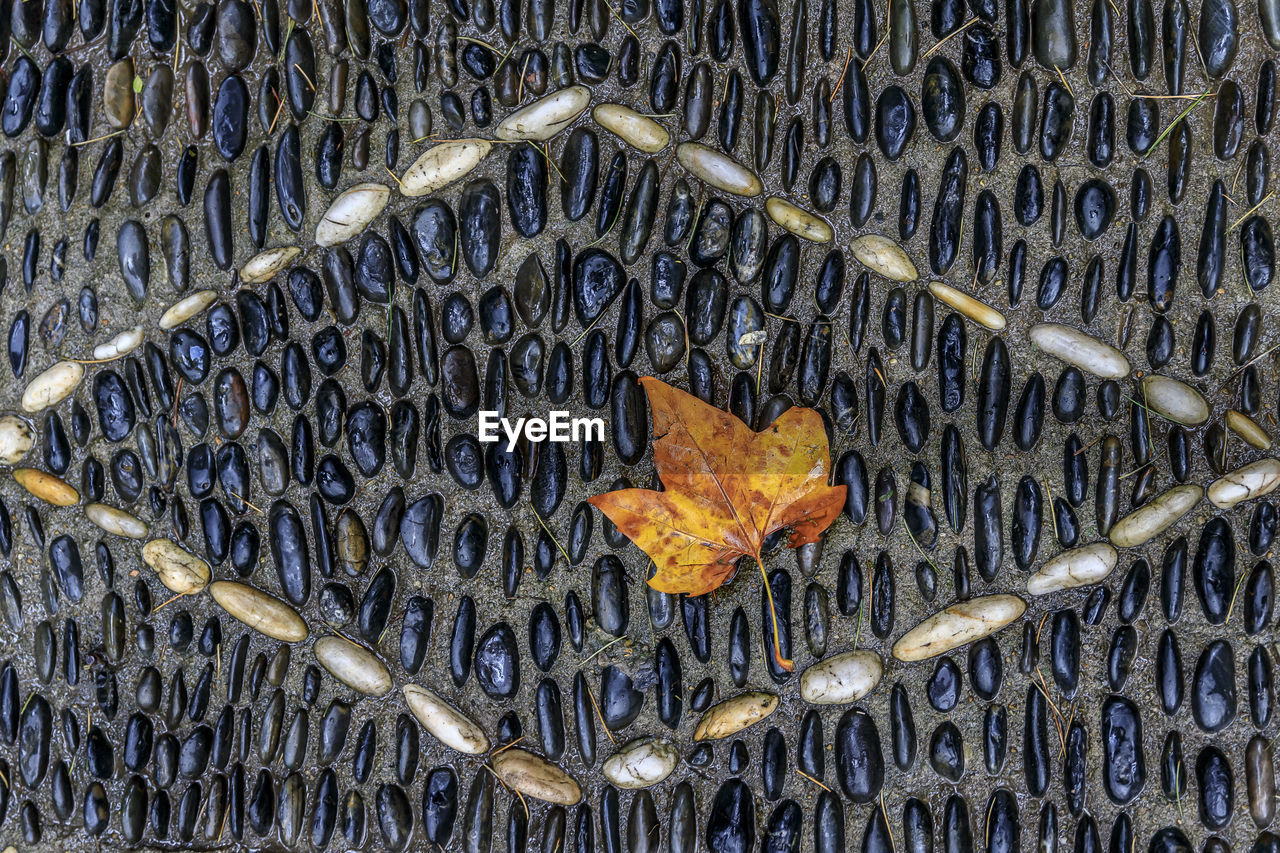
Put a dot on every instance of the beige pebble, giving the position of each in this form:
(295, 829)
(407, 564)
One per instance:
(351, 213)
(975, 309)
(184, 309)
(261, 611)
(798, 221)
(735, 714)
(1248, 429)
(1155, 517)
(534, 776)
(52, 386)
(841, 679)
(1077, 567)
(884, 257)
(268, 263)
(353, 665)
(179, 570)
(1075, 347)
(718, 170)
(441, 165)
(545, 117)
(116, 521)
(1174, 400)
(642, 763)
(444, 722)
(638, 131)
(1245, 483)
(17, 437)
(958, 625)
(121, 345)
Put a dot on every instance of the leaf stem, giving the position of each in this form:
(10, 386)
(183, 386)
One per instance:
(784, 663)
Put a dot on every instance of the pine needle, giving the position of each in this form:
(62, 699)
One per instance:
(1174, 123)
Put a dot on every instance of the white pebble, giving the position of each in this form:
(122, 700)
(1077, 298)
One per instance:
(961, 623)
(16, 439)
(266, 264)
(841, 679)
(444, 722)
(121, 345)
(116, 521)
(181, 571)
(1070, 569)
(441, 165)
(642, 763)
(719, 170)
(52, 387)
(351, 212)
(353, 665)
(1245, 483)
(1174, 400)
(1077, 348)
(1155, 517)
(638, 131)
(545, 117)
(183, 310)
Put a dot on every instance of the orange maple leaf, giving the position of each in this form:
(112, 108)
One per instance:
(727, 489)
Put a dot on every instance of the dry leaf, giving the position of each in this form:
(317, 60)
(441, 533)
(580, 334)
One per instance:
(727, 489)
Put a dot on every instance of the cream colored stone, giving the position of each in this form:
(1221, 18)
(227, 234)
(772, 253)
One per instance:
(179, 570)
(261, 611)
(534, 776)
(718, 170)
(1245, 483)
(441, 165)
(884, 257)
(52, 386)
(351, 213)
(353, 665)
(267, 264)
(121, 345)
(841, 679)
(1174, 400)
(184, 309)
(798, 221)
(1077, 567)
(976, 310)
(642, 763)
(735, 714)
(116, 521)
(960, 624)
(545, 117)
(444, 722)
(1086, 352)
(638, 131)
(17, 437)
(1155, 517)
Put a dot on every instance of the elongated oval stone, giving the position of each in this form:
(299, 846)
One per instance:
(1155, 517)
(841, 679)
(263, 612)
(1077, 567)
(958, 625)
